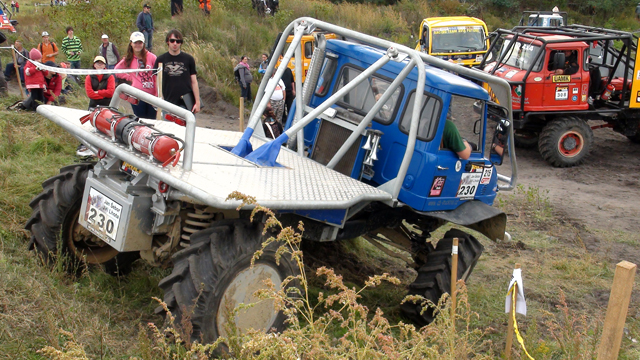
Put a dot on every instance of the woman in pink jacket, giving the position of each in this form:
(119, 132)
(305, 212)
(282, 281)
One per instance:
(140, 58)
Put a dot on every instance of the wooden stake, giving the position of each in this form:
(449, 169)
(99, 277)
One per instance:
(15, 66)
(510, 329)
(241, 114)
(454, 280)
(159, 86)
(617, 311)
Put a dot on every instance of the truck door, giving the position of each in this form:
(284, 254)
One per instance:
(457, 179)
(566, 85)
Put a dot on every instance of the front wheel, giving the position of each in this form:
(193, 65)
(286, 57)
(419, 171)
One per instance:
(214, 275)
(434, 277)
(566, 141)
(56, 234)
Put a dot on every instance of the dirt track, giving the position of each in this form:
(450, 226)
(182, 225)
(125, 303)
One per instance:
(602, 193)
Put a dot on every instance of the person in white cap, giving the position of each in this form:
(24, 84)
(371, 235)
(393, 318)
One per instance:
(99, 87)
(140, 58)
(109, 51)
(48, 49)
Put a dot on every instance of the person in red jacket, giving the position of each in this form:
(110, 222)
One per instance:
(54, 85)
(34, 81)
(99, 87)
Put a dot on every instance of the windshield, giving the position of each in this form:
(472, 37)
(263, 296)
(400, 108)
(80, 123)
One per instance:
(521, 55)
(458, 39)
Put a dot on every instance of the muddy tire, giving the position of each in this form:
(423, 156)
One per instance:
(214, 274)
(565, 142)
(525, 140)
(55, 230)
(434, 277)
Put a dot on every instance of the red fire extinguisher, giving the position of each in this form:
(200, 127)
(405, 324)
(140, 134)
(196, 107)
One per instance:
(128, 130)
(607, 92)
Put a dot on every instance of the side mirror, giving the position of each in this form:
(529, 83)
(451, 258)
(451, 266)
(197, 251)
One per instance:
(477, 126)
(499, 142)
(558, 60)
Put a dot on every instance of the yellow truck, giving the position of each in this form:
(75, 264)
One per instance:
(307, 46)
(462, 39)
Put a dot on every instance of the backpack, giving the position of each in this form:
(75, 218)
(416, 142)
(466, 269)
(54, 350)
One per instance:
(236, 74)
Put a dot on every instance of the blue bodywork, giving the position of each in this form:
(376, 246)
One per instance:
(430, 165)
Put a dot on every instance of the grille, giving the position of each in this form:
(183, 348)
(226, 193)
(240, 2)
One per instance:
(330, 139)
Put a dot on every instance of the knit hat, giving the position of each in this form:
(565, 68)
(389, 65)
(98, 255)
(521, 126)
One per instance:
(35, 54)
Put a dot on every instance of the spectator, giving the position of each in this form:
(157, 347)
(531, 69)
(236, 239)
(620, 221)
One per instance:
(34, 81)
(176, 8)
(17, 7)
(263, 65)
(20, 60)
(109, 51)
(99, 87)
(48, 49)
(140, 58)
(290, 88)
(145, 25)
(245, 77)
(205, 6)
(72, 48)
(180, 84)
(277, 99)
(53, 82)
(13, 6)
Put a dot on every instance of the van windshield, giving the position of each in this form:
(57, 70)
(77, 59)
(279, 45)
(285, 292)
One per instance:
(521, 55)
(453, 39)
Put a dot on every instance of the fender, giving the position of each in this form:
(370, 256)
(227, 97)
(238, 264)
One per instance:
(475, 215)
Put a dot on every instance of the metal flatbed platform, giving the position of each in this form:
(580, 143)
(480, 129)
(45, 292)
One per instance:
(299, 183)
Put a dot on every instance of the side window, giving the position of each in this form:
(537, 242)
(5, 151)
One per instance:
(467, 121)
(364, 96)
(308, 49)
(431, 106)
(328, 70)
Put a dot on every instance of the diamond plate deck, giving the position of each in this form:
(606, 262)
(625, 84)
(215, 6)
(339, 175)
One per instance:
(300, 184)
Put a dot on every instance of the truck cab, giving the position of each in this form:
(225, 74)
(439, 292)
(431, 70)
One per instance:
(544, 18)
(307, 46)
(462, 39)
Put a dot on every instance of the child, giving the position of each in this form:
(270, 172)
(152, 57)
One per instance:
(34, 81)
(99, 88)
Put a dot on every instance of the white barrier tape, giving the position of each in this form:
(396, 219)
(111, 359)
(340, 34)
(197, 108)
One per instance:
(68, 71)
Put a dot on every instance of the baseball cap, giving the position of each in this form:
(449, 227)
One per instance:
(136, 36)
(147, 6)
(105, 36)
(44, 33)
(99, 58)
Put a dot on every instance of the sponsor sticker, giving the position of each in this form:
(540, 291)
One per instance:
(486, 175)
(510, 74)
(476, 168)
(574, 90)
(458, 166)
(437, 185)
(584, 98)
(561, 78)
(574, 98)
(537, 78)
(129, 169)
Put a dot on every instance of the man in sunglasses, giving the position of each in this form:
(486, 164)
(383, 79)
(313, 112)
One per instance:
(179, 82)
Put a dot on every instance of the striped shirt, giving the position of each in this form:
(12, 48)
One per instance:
(71, 48)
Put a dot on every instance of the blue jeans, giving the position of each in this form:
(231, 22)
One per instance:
(245, 92)
(9, 70)
(144, 110)
(148, 39)
(75, 64)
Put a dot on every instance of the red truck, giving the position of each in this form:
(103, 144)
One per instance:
(561, 78)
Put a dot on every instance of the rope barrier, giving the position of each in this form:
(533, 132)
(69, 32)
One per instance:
(67, 71)
(515, 323)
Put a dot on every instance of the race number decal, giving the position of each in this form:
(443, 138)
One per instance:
(562, 93)
(469, 185)
(486, 175)
(102, 215)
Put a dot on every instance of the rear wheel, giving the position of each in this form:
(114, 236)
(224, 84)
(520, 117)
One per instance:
(55, 230)
(214, 275)
(566, 141)
(434, 277)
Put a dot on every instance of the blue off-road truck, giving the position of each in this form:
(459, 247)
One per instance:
(369, 160)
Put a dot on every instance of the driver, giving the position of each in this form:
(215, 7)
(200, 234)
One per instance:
(452, 140)
(570, 63)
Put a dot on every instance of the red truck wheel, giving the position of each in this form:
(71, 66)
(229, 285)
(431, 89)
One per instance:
(566, 141)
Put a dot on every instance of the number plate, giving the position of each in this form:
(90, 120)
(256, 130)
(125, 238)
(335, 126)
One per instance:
(102, 215)
(469, 185)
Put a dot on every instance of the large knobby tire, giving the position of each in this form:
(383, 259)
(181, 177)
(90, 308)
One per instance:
(55, 230)
(525, 140)
(434, 277)
(214, 275)
(566, 141)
